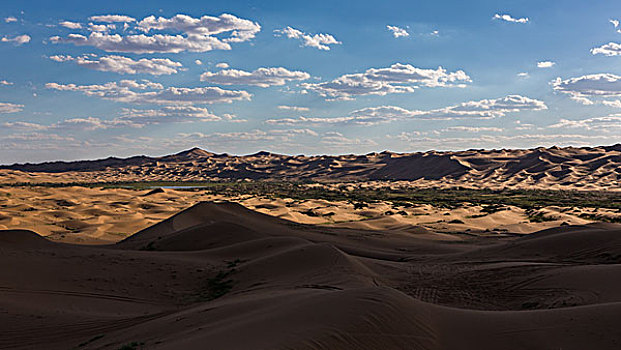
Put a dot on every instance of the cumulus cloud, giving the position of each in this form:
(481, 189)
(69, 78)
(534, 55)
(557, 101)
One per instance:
(611, 123)
(482, 109)
(89, 123)
(192, 34)
(294, 108)
(130, 91)
(198, 62)
(509, 18)
(612, 103)
(219, 138)
(610, 49)
(398, 32)
(123, 65)
(222, 65)
(398, 78)
(10, 19)
(5, 83)
(501, 141)
(585, 89)
(17, 40)
(172, 114)
(338, 140)
(472, 129)
(523, 75)
(545, 64)
(615, 23)
(286, 140)
(36, 137)
(130, 118)
(262, 77)
(101, 27)
(524, 126)
(10, 108)
(71, 25)
(319, 41)
(112, 19)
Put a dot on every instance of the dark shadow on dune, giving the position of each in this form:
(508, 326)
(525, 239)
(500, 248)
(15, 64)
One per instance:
(220, 276)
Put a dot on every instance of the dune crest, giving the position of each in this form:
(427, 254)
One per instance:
(569, 168)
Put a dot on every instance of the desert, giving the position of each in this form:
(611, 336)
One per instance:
(241, 263)
(310, 175)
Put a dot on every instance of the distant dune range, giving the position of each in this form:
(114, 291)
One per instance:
(221, 276)
(570, 168)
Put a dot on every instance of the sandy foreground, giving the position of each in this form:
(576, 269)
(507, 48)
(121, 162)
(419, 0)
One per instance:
(222, 276)
(107, 215)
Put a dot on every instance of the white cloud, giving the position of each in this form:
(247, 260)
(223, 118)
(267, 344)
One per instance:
(523, 75)
(5, 83)
(24, 126)
(172, 114)
(70, 25)
(319, 41)
(36, 137)
(130, 118)
(398, 32)
(610, 49)
(524, 126)
(585, 89)
(509, 18)
(545, 64)
(101, 27)
(262, 77)
(17, 40)
(338, 140)
(148, 92)
(414, 140)
(10, 19)
(287, 140)
(89, 123)
(10, 108)
(112, 19)
(222, 65)
(123, 65)
(193, 34)
(483, 109)
(613, 103)
(219, 138)
(398, 78)
(615, 23)
(472, 129)
(198, 62)
(240, 29)
(294, 108)
(611, 123)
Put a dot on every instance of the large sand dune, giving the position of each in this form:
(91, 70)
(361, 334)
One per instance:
(220, 276)
(587, 168)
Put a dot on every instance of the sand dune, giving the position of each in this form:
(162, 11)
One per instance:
(107, 215)
(570, 168)
(221, 275)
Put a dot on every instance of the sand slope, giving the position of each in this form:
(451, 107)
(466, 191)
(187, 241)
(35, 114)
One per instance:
(587, 168)
(294, 286)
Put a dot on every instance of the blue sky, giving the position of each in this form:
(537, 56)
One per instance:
(84, 80)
